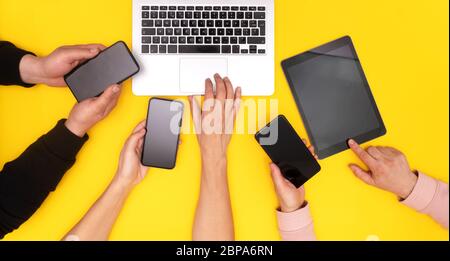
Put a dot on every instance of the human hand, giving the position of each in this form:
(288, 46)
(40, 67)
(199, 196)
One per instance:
(131, 172)
(50, 70)
(290, 198)
(214, 123)
(87, 113)
(388, 169)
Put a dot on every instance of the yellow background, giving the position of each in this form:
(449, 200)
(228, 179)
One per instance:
(404, 49)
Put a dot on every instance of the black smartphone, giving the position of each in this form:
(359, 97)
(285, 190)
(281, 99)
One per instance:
(113, 65)
(286, 149)
(164, 119)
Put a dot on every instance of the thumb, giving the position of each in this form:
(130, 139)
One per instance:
(278, 179)
(362, 174)
(135, 139)
(71, 55)
(108, 95)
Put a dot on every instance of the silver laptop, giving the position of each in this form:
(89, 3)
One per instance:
(180, 43)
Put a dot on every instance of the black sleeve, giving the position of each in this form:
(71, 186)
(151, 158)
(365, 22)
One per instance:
(10, 57)
(27, 181)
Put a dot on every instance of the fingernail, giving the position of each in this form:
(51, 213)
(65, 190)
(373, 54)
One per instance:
(93, 50)
(116, 88)
(351, 142)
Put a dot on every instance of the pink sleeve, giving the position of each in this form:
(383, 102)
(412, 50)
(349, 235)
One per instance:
(297, 225)
(430, 196)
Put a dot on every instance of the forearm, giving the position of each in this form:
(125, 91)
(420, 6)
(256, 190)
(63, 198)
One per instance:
(11, 61)
(99, 220)
(213, 218)
(297, 225)
(430, 196)
(26, 181)
(31, 70)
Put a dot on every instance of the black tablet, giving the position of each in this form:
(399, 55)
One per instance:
(333, 97)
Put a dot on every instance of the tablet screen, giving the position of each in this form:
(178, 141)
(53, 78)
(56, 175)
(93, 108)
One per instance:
(334, 97)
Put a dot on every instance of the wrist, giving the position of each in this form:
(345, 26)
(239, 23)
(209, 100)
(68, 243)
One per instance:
(76, 128)
(213, 158)
(30, 69)
(409, 185)
(121, 185)
(295, 207)
(214, 163)
(214, 173)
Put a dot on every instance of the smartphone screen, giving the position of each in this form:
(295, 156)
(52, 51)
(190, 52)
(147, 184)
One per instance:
(286, 149)
(113, 65)
(163, 131)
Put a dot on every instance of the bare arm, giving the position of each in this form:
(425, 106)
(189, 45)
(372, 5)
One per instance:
(99, 220)
(214, 126)
(213, 218)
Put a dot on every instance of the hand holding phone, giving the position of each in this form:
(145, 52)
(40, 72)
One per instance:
(50, 69)
(113, 65)
(86, 114)
(130, 171)
(282, 144)
(289, 197)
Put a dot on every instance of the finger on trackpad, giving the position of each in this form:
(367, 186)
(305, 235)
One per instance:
(194, 71)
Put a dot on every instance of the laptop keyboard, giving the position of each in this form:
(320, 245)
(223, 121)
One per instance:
(203, 29)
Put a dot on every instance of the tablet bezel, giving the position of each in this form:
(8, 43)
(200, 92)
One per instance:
(341, 145)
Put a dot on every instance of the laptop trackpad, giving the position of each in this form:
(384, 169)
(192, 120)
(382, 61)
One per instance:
(194, 71)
